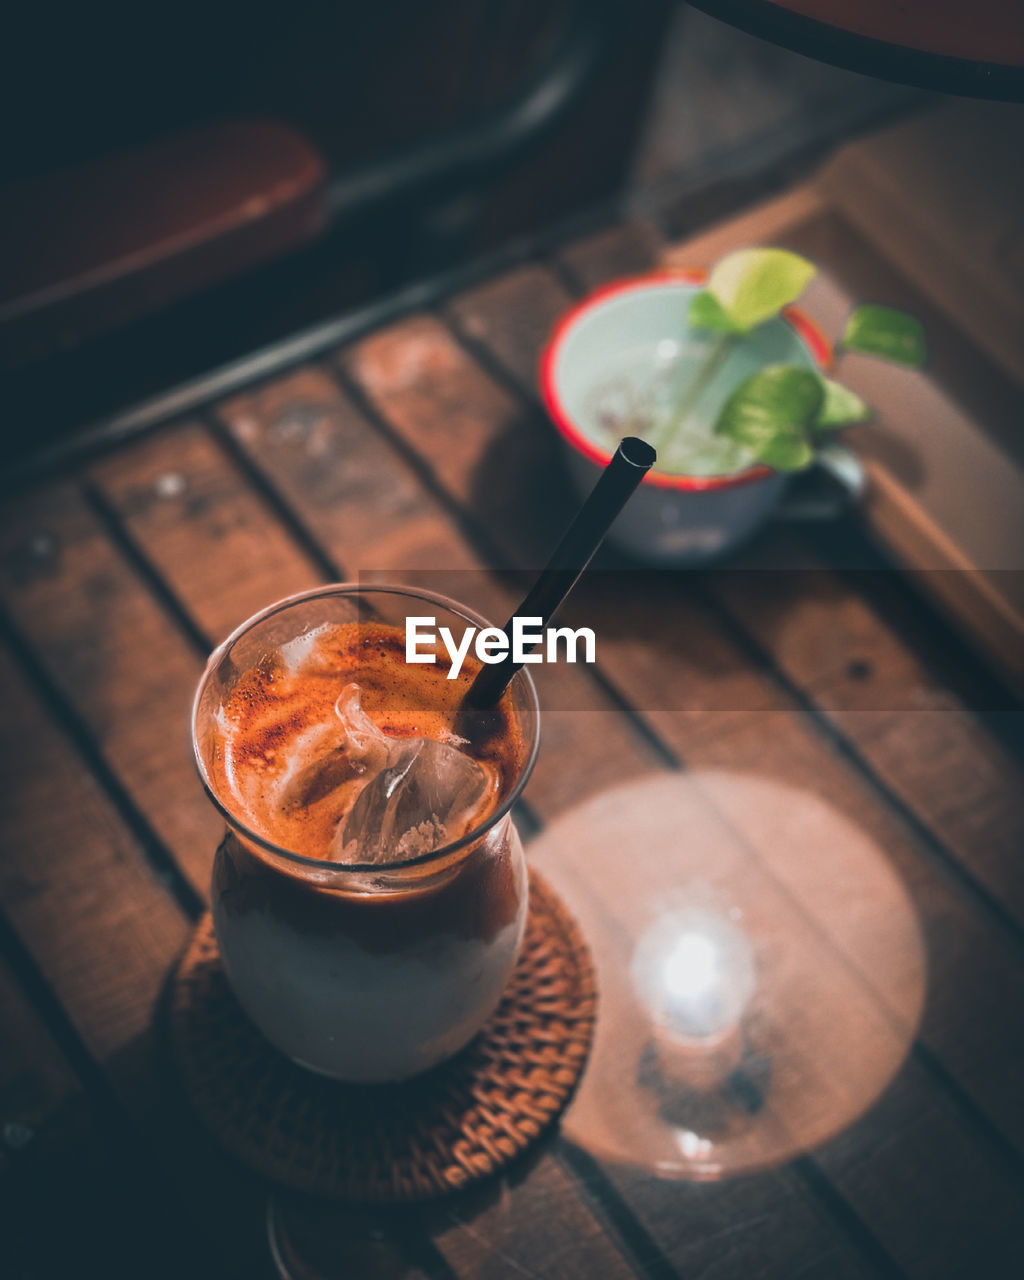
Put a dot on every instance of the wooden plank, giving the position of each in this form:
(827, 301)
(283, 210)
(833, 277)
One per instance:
(421, 383)
(378, 499)
(509, 317)
(767, 740)
(104, 931)
(930, 193)
(116, 656)
(534, 1223)
(927, 1187)
(54, 1151)
(179, 482)
(34, 1075)
(68, 849)
(985, 606)
(903, 712)
(315, 447)
(764, 1227)
(359, 533)
(629, 248)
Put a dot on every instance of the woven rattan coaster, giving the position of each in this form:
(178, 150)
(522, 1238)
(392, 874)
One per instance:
(428, 1136)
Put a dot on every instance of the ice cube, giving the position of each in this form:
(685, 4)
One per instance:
(317, 764)
(419, 794)
(326, 756)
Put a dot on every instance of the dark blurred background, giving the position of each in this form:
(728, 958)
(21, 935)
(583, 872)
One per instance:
(147, 236)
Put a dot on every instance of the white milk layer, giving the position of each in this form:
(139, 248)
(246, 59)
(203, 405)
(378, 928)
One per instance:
(362, 1016)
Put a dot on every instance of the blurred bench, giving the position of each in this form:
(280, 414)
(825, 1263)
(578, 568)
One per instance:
(106, 242)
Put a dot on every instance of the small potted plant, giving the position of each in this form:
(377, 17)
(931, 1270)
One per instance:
(726, 378)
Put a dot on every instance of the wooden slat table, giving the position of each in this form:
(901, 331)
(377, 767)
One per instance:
(420, 447)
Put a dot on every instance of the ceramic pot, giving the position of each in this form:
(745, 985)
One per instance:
(620, 344)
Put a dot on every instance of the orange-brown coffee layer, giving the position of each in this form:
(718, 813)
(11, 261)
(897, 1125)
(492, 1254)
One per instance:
(284, 707)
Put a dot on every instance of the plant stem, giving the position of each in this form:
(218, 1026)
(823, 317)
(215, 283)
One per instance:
(713, 361)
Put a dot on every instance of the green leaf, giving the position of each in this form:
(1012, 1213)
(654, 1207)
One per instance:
(706, 312)
(840, 407)
(886, 332)
(789, 451)
(752, 285)
(772, 413)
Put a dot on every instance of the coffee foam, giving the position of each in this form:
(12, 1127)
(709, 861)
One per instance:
(277, 731)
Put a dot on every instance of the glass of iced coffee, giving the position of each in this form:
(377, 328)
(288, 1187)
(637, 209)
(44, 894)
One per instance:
(370, 896)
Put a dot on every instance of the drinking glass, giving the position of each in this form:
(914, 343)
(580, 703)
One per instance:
(363, 972)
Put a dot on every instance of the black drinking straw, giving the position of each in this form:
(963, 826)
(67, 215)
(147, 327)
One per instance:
(633, 459)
